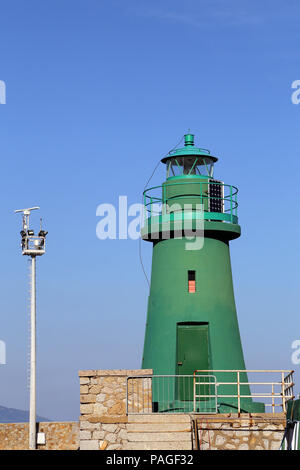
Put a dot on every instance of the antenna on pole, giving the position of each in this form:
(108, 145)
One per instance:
(33, 246)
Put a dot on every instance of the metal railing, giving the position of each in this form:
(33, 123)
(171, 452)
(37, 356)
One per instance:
(278, 393)
(206, 390)
(171, 394)
(200, 191)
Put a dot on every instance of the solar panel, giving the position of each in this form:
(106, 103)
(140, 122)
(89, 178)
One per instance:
(215, 196)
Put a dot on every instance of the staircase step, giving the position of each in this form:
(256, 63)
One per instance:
(158, 427)
(158, 437)
(163, 445)
(159, 418)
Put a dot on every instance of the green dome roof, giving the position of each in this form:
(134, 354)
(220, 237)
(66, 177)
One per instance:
(189, 150)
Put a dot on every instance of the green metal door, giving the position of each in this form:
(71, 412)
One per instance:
(192, 354)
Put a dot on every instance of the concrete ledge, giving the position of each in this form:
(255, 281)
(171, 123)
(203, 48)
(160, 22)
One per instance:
(159, 418)
(159, 437)
(241, 416)
(104, 419)
(244, 420)
(114, 372)
(158, 427)
(158, 446)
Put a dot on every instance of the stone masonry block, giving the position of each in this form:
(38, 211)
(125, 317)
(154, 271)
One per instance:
(83, 435)
(89, 445)
(88, 398)
(86, 409)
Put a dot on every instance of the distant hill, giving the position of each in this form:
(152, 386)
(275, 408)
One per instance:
(12, 415)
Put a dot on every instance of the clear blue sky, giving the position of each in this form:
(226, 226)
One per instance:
(97, 92)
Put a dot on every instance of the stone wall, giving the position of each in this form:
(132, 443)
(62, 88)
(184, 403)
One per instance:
(104, 424)
(103, 406)
(249, 432)
(59, 436)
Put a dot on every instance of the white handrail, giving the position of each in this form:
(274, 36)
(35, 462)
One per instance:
(286, 384)
(143, 392)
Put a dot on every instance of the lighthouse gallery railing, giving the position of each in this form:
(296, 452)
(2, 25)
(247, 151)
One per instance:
(201, 192)
(199, 393)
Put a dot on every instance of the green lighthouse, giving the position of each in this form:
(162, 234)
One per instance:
(191, 320)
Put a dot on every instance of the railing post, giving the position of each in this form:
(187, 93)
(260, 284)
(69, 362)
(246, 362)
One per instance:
(194, 387)
(238, 391)
(145, 209)
(201, 195)
(231, 203)
(143, 394)
(126, 395)
(273, 404)
(283, 392)
(132, 396)
(235, 200)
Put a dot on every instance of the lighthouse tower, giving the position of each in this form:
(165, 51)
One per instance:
(191, 320)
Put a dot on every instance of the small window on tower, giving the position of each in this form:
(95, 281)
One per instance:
(192, 282)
